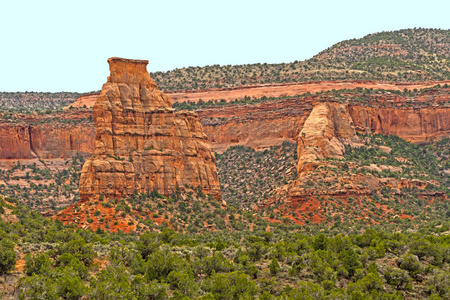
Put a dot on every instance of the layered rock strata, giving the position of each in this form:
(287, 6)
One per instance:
(275, 90)
(51, 136)
(141, 143)
(411, 124)
(258, 125)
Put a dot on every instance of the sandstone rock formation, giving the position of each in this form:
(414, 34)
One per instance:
(328, 126)
(258, 125)
(15, 142)
(49, 141)
(47, 137)
(412, 124)
(141, 143)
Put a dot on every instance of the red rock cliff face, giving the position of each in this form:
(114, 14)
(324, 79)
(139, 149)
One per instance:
(15, 142)
(46, 137)
(258, 126)
(255, 125)
(269, 123)
(141, 143)
(412, 124)
(62, 141)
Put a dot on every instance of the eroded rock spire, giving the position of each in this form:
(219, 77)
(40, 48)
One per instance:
(141, 143)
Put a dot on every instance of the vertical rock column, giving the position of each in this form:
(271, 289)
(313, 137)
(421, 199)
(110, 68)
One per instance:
(322, 135)
(141, 143)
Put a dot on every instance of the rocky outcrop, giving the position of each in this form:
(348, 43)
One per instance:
(45, 137)
(141, 143)
(258, 126)
(15, 142)
(324, 133)
(412, 124)
(331, 125)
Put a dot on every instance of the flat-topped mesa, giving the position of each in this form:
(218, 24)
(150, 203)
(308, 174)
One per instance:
(129, 86)
(130, 71)
(141, 143)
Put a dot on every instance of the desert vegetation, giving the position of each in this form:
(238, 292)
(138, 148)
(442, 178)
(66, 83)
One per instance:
(40, 187)
(404, 55)
(248, 176)
(274, 260)
(35, 102)
(363, 96)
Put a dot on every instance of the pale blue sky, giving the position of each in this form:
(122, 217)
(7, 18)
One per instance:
(63, 45)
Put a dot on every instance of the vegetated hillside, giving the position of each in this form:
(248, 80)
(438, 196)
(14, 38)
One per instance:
(186, 210)
(383, 180)
(35, 102)
(248, 176)
(44, 185)
(438, 94)
(429, 163)
(42, 156)
(404, 55)
(387, 179)
(44, 257)
(413, 54)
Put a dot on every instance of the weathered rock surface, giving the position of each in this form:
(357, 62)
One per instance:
(15, 142)
(62, 141)
(46, 137)
(412, 124)
(141, 143)
(328, 126)
(258, 125)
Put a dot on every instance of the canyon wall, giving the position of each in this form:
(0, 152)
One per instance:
(45, 141)
(267, 124)
(258, 125)
(15, 141)
(49, 141)
(412, 124)
(141, 143)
